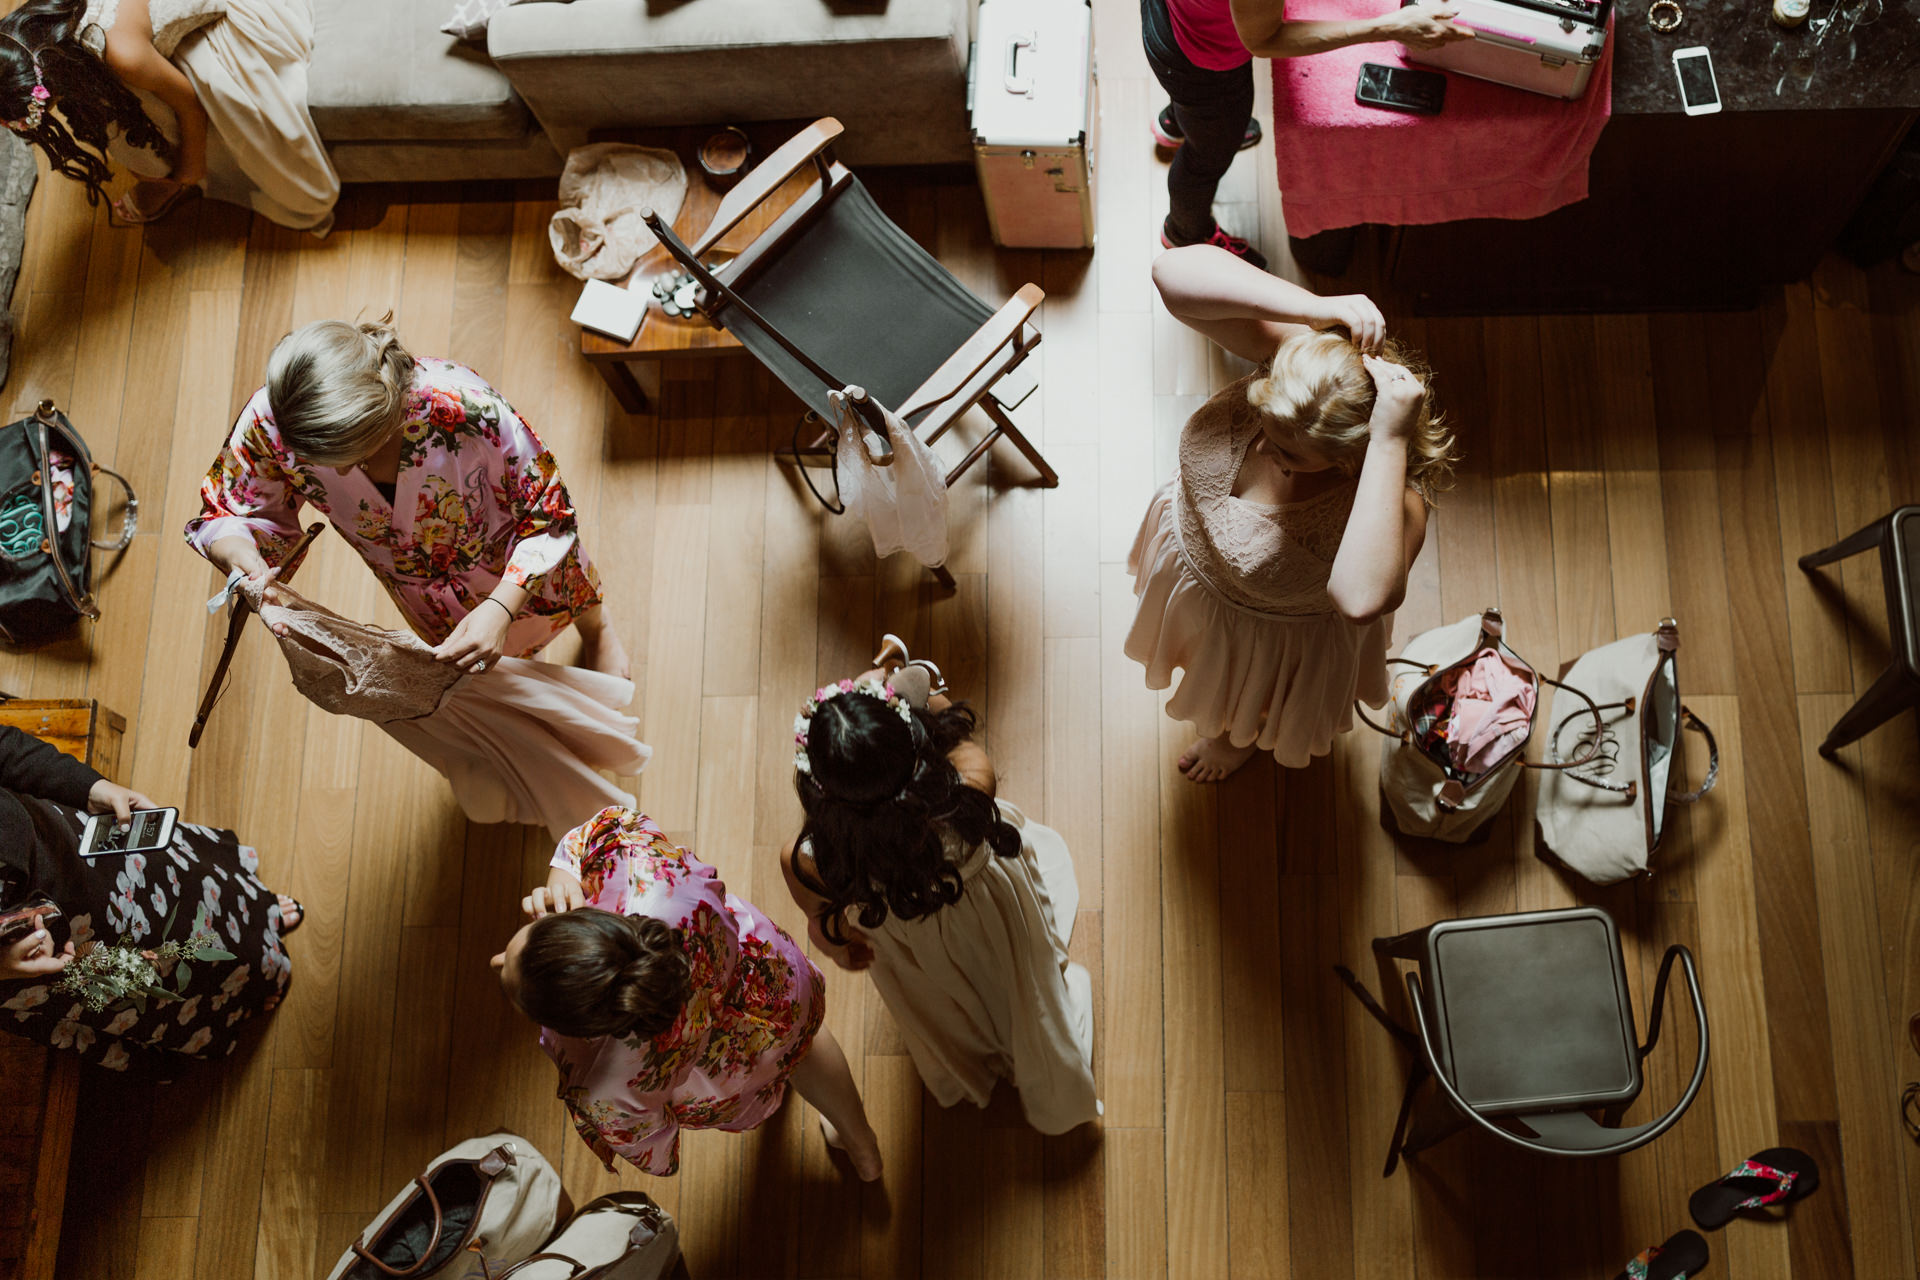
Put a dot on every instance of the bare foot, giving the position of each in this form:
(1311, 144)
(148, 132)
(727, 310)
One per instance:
(1211, 759)
(866, 1164)
(601, 650)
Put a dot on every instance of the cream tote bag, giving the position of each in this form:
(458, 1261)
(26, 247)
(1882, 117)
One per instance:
(495, 1197)
(1425, 796)
(1605, 818)
(623, 1236)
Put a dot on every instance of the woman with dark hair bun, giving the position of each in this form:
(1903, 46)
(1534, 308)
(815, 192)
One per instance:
(669, 1004)
(961, 907)
(190, 95)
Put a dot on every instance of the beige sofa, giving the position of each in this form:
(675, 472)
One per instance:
(893, 71)
(398, 100)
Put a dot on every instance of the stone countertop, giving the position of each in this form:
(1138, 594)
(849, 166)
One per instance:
(1762, 66)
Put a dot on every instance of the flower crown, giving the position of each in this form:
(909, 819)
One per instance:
(39, 98)
(803, 723)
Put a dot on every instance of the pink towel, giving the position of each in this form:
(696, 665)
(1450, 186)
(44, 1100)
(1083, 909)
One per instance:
(1492, 152)
(1492, 711)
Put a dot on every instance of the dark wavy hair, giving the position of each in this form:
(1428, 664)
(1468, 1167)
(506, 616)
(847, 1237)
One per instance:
(589, 973)
(880, 795)
(88, 99)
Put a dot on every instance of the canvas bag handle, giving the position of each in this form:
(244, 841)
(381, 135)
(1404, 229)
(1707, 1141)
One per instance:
(1631, 787)
(651, 1222)
(1492, 633)
(491, 1166)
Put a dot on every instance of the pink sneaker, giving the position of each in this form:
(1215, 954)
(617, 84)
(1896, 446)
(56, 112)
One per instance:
(1234, 245)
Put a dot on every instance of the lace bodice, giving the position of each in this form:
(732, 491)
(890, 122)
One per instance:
(173, 21)
(1272, 559)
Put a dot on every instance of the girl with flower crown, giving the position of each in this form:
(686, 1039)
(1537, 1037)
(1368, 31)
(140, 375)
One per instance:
(668, 1004)
(959, 905)
(191, 95)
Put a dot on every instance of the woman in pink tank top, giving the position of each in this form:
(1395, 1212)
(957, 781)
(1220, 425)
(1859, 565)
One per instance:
(1202, 53)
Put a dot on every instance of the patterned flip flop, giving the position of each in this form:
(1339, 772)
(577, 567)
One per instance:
(1776, 1176)
(1683, 1255)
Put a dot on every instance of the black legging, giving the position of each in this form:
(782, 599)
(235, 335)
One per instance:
(1212, 109)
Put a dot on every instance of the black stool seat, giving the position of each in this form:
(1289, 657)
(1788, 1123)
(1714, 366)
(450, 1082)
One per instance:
(1533, 1013)
(1897, 535)
(1524, 1022)
(860, 297)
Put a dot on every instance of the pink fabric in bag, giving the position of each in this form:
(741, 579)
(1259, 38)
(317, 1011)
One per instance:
(1492, 711)
(1493, 152)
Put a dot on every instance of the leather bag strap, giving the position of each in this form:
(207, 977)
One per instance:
(433, 1245)
(129, 520)
(1593, 748)
(1699, 726)
(81, 601)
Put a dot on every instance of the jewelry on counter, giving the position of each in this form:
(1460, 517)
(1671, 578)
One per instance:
(1790, 13)
(1665, 15)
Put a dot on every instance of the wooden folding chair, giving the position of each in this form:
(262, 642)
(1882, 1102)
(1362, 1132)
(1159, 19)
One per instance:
(834, 293)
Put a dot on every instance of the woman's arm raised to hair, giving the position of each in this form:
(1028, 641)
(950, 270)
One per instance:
(131, 56)
(1251, 312)
(1389, 521)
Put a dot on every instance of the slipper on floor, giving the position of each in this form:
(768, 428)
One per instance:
(1683, 1255)
(1778, 1175)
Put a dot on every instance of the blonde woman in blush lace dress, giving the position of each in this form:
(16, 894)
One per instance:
(1269, 568)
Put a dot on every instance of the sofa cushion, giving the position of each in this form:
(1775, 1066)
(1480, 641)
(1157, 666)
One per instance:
(384, 71)
(895, 69)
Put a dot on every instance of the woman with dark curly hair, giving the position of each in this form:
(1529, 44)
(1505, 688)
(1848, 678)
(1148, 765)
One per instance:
(960, 906)
(669, 1004)
(207, 95)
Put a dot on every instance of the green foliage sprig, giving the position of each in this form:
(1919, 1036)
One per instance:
(125, 974)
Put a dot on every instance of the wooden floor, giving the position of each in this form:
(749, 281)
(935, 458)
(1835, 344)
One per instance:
(1617, 470)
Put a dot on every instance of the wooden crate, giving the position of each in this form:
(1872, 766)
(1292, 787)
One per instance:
(39, 1089)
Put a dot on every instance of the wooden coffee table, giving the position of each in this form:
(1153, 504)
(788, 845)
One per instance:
(665, 337)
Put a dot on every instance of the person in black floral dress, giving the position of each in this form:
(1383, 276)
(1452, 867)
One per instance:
(147, 899)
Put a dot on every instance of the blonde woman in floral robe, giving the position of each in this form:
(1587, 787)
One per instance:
(443, 489)
(745, 1016)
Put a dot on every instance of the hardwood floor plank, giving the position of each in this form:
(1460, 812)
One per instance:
(1137, 1218)
(1257, 1240)
(1866, 1026)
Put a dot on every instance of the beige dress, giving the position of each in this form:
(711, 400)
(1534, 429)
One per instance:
(982, 989)
(1234, 594)
(522, 741)
(247, 63)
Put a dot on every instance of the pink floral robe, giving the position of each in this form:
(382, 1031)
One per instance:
(477, 499)
(756, 1002)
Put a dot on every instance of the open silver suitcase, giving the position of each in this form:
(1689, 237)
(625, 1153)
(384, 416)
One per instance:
(1543, 46)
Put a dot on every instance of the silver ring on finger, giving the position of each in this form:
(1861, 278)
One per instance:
(479, 667)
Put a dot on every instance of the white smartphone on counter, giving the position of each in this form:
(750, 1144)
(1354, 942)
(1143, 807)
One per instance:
(1699, 90)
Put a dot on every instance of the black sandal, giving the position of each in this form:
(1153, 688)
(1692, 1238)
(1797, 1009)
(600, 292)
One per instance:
(287, 930)
(1776, 1176)
(1683, 1255)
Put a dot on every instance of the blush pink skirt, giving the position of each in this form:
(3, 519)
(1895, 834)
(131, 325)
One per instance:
(1284, 683)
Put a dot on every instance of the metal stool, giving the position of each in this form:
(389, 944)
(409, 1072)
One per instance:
(1530, 1025)
(1898, 688)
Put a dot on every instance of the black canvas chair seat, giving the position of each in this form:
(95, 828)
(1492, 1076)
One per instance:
(853, 291)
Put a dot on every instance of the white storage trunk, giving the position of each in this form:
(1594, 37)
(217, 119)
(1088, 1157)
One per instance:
(1544, 46)
(1031, 91)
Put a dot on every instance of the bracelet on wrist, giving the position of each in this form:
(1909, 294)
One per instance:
(511, 616)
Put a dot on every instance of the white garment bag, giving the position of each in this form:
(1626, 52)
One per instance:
(896, 485)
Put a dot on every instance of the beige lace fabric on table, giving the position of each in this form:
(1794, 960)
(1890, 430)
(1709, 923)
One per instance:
(1233, 594)
(598, 233)
(523, 741)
